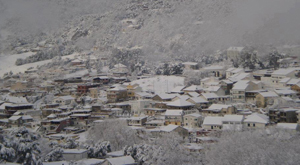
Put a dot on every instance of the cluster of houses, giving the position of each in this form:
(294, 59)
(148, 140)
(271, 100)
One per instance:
(228, 99)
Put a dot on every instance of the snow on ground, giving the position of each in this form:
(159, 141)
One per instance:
(82, 137)
(160, 84)
(7, 62)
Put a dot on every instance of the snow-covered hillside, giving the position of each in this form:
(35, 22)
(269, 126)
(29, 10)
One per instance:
(162, 28)
(7, 63)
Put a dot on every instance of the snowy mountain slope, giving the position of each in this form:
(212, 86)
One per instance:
(162, 28)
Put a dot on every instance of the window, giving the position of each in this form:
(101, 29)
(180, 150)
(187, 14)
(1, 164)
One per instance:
(253, 124)
(248, 124)
(212, 127)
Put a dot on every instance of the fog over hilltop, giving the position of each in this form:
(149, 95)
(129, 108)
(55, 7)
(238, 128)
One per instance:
(160, 27)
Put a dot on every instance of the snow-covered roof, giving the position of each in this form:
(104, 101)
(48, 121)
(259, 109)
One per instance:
(116, 153)
(193, 94)
(174, 113)
(118, 88)
(137, 118)
(193, 115)
(241, 85)
(80, 115)
(26, 117)
(52, 116)
(168, 128)
(283, 72)
(165, 96)
(119, 65)
(177, 89)
(209, 95)
(212, 88)
(183, 97)
(268, 94)
(233, 118)
(180, 103)
(193, 88)
(16, 100)
(214, 67)
(74, 151)
(285, 80)
(124, 160)
(235, 70)
(293, 81)
(290, 126)
(284, 91)
(211, 120)
(190, 63)
(239, 76)
(257, 118)
(198, 100)
(219, 106)
(15, 117)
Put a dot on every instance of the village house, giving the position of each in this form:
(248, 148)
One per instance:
(256, 120)
(193, 120)
(209, 81)
(116, 94)
(212, 123)
(84, 88)
(75, 154)
(138, 106)
(214, 89)
(263, 99)
(55, 125)
(191, 65)
(226, 85)
(292, 82)
(296, 88)
(210, 97)
(219, 110)
(280, 74)
(132, 89)
(251, 95)
(101, 80)
(154, 124)
(180, 104)
(48, 111)
(238, 92)
(12, 108)
(154, 111)
(163, 97)
(283, 115)
(199, 102)
(137, 121)
(174, 117)
(286, 93)
(233, 122)
(215, 71)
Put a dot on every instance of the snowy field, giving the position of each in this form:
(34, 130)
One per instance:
(7, 62)
(160, 84)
